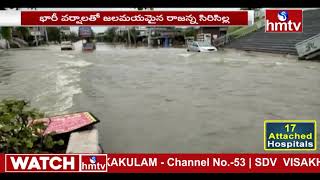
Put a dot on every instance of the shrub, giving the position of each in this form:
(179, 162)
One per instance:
(16, 133)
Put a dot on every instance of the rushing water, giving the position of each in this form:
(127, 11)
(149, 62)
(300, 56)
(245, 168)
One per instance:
(166, 100)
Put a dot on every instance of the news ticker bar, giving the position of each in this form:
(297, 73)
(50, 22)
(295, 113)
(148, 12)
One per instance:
(160, 163)
(126, 18)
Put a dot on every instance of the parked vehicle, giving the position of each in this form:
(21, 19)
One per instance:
(201, 46)
(67, 45)
(87, 36)
(88, 45)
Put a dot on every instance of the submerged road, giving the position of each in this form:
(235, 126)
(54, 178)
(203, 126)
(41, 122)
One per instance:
(166, 100)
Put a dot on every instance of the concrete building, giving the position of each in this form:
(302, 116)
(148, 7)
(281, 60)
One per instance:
(211, 33)
(160, 36)
(39, 35)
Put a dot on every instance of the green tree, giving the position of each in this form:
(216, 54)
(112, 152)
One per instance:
(6, 33)
(74, 37)
(110, 34)
(190, 31)
(53, 34)
(24, 32)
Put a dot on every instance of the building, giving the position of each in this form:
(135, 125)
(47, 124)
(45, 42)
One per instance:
(211, 33)
(160, 36)
(121, 30)
(142, 30)
(64, 32)
(39, 35)
(100, 36)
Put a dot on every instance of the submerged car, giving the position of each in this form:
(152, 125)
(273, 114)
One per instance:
(200, 46)
(88, 46)
(67, 45)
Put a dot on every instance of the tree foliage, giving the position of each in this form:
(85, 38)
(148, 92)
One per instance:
(110, 34)
(24, 32)
(6, 33)
(74, 37)
(190, 31)
(53, 34)
(16, 133)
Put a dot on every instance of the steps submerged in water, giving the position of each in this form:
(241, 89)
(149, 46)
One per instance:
(283, 43)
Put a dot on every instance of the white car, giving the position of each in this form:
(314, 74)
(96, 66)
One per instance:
(201, 46)
(67, 45)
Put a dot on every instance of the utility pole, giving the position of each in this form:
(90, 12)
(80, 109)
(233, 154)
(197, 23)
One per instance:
(129, 37)
(7, 41)
(36, 35)
(135, 38)
(149, 34)
(149, 28)
(149, 37)
(46, 33)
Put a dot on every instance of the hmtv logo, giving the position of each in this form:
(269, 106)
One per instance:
(93, 163)
(284, 20)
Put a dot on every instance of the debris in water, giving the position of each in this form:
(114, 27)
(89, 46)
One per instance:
(169, 100)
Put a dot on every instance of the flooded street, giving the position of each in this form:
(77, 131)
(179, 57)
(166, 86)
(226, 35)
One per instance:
(166, 100)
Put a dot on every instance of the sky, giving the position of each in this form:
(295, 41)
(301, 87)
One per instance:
(98, 29)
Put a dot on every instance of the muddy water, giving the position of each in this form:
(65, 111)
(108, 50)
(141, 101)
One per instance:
(166, 100)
